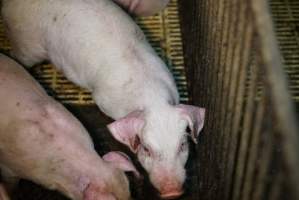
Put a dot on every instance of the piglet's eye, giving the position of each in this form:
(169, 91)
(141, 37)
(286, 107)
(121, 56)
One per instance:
(188, 129)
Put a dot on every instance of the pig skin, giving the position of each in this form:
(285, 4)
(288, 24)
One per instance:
(96, 45)
(99, 47)
(41, 141)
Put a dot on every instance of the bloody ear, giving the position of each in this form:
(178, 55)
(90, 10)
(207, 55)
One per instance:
(195, 117)
(126, 129)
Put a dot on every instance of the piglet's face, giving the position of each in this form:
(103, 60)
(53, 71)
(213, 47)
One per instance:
(159, 138)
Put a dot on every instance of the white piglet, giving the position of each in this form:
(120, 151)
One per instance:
(99, 47)
(41, 141)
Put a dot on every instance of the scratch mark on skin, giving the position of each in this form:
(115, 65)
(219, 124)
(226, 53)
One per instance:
(132, 54)
(139, 34)
(128, 83)
(52, 136)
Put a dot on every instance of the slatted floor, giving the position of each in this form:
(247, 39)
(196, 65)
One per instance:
(286, 18)
(163, 32)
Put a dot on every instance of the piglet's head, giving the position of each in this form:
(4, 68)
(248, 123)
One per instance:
(115, 185)
(159, 138)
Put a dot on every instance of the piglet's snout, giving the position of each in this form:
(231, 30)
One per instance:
(171, 195)
(168, 182)
(171, 190)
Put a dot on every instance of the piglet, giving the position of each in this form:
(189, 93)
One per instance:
(143, 7)
(99, 47)
(41, 141)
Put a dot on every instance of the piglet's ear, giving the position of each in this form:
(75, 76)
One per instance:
(121, 161)
(126, 130)
(195, 117)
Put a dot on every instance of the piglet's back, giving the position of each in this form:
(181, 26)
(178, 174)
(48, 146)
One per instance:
(39, 139)
(31, 121)
(19, 87)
